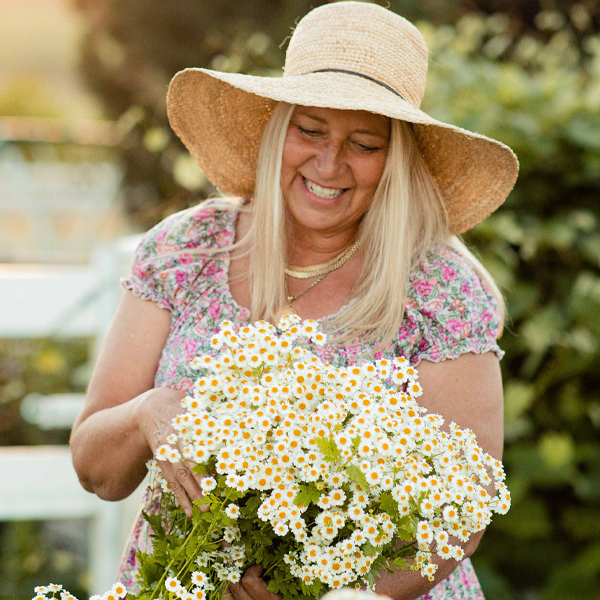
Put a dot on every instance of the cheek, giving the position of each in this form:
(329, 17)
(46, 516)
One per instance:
(369, 174)
(293, 156)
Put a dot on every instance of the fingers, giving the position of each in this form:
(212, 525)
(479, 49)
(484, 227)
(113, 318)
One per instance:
(184, 485)
(228, 595)
(253, 587)
(237, 592)
(155, 415)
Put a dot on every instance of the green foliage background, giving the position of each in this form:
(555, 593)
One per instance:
(543, 247)
(33, 553)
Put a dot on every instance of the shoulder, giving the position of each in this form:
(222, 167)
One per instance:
(443, 272)
(204, 226)
(166, 263)
(450, 307)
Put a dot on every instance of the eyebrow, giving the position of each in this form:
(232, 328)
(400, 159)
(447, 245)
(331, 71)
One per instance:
(362, 131)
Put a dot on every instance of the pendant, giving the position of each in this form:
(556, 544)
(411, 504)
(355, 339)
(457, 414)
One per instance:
(282, 312)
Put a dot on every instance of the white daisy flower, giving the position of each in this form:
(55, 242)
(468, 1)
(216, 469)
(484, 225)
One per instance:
(208, 484)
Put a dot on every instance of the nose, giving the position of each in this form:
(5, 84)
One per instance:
(330, 160)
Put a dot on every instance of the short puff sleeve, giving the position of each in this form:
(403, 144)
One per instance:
(450, 310)
(161, 269)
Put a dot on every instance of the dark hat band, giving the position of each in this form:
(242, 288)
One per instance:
(381, 83)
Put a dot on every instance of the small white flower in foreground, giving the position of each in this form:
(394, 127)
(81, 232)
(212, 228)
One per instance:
(232, 511)
(429, 571)
(120, 589)
(174, 455)
(208, 484)
(162, 452)
(198, 578)
(172, 584)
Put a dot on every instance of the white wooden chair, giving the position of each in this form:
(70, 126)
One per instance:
(39, 482)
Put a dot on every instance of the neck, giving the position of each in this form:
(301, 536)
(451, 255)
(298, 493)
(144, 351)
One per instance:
(309, 247)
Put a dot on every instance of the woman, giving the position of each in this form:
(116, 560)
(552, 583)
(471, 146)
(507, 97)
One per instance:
(345, 198)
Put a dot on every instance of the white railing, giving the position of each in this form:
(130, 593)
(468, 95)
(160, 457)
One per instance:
(59, 188)
(39, 482)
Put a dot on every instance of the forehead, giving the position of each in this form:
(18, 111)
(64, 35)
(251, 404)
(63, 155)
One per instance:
(361, 120)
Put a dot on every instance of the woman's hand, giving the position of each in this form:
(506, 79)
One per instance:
(154, 413)
(250, 587)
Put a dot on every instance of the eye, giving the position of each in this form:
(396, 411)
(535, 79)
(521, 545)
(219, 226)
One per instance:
(365, 148)
(309, 132)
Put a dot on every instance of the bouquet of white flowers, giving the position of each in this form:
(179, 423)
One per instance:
(323, 475)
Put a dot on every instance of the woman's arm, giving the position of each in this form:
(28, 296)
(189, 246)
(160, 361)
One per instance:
(466, 390)
(124, 418)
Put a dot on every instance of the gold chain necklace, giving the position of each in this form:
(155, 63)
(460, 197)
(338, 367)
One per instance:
(322, 268)
(290, 299)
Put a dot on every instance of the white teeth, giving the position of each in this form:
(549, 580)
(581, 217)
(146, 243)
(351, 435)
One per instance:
(322, 192)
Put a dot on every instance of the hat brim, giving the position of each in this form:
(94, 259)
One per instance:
(220, 118)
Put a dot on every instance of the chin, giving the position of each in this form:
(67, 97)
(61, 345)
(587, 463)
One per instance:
(316, 219)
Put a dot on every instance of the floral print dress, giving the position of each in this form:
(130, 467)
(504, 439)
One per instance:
(449, 311)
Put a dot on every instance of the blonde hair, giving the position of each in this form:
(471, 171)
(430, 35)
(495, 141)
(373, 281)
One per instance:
(406, 217)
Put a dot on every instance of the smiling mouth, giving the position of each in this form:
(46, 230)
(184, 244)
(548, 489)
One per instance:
(322, 192)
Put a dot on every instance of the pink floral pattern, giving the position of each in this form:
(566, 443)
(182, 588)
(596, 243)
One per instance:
(450, 311)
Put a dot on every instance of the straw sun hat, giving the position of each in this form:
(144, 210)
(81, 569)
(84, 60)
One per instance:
(344, 55)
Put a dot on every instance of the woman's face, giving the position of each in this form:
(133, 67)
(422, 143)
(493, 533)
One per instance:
(331, 164)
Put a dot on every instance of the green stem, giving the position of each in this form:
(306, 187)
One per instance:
(186, 566)
(162, 579)
(269, 569)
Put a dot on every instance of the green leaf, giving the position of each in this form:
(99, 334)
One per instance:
(251, 505)
(357, 476)
(201, 501)
(369, 549)
(155, 522)
(150, 569)
(200, 469)
(262, 539)
(406, 528)
(328, 449)
(401, 563)
(388, 504)
(307, 494)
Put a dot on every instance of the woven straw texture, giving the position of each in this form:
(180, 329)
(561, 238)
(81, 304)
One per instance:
(220, 116)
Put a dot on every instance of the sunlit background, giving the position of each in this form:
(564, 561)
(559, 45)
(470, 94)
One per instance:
(88, 162)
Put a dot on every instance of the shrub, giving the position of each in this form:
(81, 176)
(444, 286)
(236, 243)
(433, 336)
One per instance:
(543, 247)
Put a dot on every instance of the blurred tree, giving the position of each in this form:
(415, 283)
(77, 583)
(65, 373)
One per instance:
(543, 247)
(134, 47)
